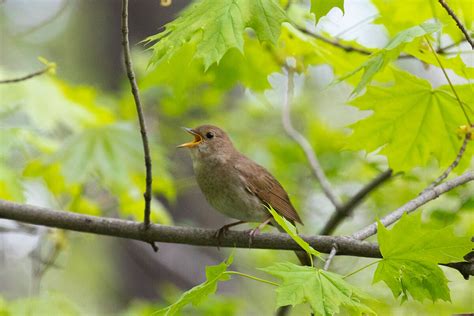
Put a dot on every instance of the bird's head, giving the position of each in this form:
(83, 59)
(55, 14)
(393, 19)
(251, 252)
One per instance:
(210, 143)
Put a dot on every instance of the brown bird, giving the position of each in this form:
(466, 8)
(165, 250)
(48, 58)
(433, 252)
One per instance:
(235, 185)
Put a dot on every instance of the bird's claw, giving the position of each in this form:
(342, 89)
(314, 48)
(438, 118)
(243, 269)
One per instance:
(253, 233)
(219, 234)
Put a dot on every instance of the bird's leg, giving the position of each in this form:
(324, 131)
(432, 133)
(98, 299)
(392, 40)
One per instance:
(257, 229)
(223, 230)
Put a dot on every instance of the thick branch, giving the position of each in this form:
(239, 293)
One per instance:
(409, 207)
(138, 104)
(179, 235)
(182, 235)
(458, 22)
(465, 268)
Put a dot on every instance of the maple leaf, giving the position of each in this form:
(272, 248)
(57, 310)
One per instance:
(218, 26)
(411, 121)
(410, 265)
(325, 291)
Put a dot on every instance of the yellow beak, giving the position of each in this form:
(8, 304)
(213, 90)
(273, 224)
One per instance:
(197, 138)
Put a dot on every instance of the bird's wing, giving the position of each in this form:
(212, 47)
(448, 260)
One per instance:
(261, 183)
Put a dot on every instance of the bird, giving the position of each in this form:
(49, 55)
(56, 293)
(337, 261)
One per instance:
(235, 185)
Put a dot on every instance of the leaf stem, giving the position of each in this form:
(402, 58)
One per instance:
(252, 277)
(449, 80)
(360, 269)
(32, 75)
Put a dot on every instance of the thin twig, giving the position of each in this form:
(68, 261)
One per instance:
(349, 48)
(331, 256)
(340, 214)
(414, 204)
(453, 165)
(335, 43)
(458, 22)
(347, 208)
(141, 120)
(32, 75)
(442, 50)
(449, 81)
(304, 143)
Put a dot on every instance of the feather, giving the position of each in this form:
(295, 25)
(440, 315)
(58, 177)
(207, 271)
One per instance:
(262, 184)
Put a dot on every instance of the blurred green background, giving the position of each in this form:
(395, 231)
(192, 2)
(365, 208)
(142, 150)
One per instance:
(70, 141)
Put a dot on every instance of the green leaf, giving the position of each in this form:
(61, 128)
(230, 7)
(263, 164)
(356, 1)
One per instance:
(410, 263)
(395, 17)
(197, 294)
(430, 245)
(111, 152)
(291, 230)
(325, 291)
(416, 278)
(379, 60)
(45, 104)
(411, 121)
(216, 27)
(322, 7)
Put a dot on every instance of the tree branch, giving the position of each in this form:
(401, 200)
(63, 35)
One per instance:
(304, 143)
(141, 120)
(341, 213)
(32, 75)
(345, 210)
(412, 205)
(335, 43)
(465, 268)
(173, 234)
(458, 22)
(349, 48)
(183, 235)
(453, 165)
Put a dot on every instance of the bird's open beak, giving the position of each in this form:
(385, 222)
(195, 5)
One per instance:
(197, 138)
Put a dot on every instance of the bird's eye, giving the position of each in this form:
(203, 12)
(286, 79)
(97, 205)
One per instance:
(209, 135)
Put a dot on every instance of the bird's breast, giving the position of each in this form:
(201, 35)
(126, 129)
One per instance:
(224, 189)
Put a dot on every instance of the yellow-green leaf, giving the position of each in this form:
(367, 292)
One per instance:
(411, 121)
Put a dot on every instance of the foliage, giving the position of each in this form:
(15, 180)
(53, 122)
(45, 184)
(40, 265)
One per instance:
(325, 291)
(410, 265)
(221, 62)
(411, 104)
(197, 294)
(96, 145)
(379, 60)
(217, 27)
(396, 17)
